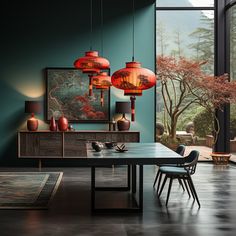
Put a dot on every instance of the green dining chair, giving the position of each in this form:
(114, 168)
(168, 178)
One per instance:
(182, 172)
(180, 150)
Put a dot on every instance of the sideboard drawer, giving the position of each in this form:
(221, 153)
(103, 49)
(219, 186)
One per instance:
(50, 144)
(74, 146)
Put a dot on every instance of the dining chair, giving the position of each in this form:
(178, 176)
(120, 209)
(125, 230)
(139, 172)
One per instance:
(181, 172)
(180, 150)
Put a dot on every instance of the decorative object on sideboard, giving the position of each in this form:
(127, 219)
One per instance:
(53, 124)
(133, 79)
(33, 107)
(122, 108)
(70, 127)
(91, 63)
(112, 125)
(63, 123)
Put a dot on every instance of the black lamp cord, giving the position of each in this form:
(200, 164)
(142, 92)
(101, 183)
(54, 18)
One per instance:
(91, 23)
(133, 30)
(102, 27)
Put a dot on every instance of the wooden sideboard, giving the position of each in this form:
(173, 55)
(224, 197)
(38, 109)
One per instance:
(70, 144)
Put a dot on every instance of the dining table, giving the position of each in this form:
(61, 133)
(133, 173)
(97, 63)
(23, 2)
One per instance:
(135, 156)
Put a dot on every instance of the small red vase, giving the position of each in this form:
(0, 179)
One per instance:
(53, 124)
(63, 123)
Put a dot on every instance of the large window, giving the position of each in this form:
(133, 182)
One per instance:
(184, 35)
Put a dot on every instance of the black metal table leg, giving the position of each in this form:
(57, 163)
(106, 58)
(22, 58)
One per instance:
(92, 188)
(141, 188)
(138, 204)
(128, 177)
(134, 176)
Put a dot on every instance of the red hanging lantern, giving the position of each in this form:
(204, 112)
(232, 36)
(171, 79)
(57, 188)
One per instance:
(133, 80)
(102, 81)
(91, 64)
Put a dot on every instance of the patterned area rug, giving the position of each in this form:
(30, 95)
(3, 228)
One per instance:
(28, 190)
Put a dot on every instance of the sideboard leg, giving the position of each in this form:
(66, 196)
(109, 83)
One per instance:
(40, 165)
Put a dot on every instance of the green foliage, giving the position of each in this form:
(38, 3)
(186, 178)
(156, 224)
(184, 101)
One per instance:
(188, 116)
(203, 123)
(169, 141)
(204, 43)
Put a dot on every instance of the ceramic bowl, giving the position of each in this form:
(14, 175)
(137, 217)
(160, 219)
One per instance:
(110, 145)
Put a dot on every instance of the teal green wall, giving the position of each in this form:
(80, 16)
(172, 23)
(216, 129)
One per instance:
(39, 34)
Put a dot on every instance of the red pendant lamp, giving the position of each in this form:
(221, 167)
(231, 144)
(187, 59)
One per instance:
(133, 79)
(91, 63)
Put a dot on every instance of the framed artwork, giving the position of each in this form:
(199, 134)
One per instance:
(67, 94)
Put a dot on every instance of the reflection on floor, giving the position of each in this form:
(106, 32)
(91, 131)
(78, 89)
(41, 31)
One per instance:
(70, 213)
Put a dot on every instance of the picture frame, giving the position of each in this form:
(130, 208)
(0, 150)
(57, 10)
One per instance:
(67, 94)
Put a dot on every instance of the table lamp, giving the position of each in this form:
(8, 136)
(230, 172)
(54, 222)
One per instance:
(32, 107)
(123, 107)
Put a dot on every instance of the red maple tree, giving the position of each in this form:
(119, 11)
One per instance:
(183, 83)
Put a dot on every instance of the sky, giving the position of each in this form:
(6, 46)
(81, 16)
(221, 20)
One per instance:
(200, 3)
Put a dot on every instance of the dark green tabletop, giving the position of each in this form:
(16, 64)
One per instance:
(138, 153)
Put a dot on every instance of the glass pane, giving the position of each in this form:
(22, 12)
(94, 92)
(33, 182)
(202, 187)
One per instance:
(232, 21)
(185, 3)
(188, 35)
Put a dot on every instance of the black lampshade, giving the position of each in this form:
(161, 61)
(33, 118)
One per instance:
(33, 107)
(123, 107)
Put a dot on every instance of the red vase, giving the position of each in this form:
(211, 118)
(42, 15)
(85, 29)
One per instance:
(62, 123)
(53, 124)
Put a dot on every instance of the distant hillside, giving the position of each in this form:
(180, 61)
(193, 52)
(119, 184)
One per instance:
(184, 22)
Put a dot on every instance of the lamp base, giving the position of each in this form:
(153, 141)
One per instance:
(32, 124)
(123, 124)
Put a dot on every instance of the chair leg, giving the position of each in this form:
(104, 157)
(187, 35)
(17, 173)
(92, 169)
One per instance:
(168, 194)
(159, 182)
(158, 172)
(186, 186)
(191, 189)
(162, 186)
(194, 190)
(181, 184)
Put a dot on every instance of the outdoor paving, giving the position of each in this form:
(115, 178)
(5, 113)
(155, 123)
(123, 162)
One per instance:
(205, 153)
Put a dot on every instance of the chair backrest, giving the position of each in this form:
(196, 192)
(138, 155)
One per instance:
(191, 161)
(180, 150)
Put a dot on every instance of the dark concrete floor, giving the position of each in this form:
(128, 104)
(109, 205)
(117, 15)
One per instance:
(70, 214)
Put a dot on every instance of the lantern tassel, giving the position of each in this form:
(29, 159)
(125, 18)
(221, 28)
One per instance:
(90, 85)
(132, 99)
(102, 98)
